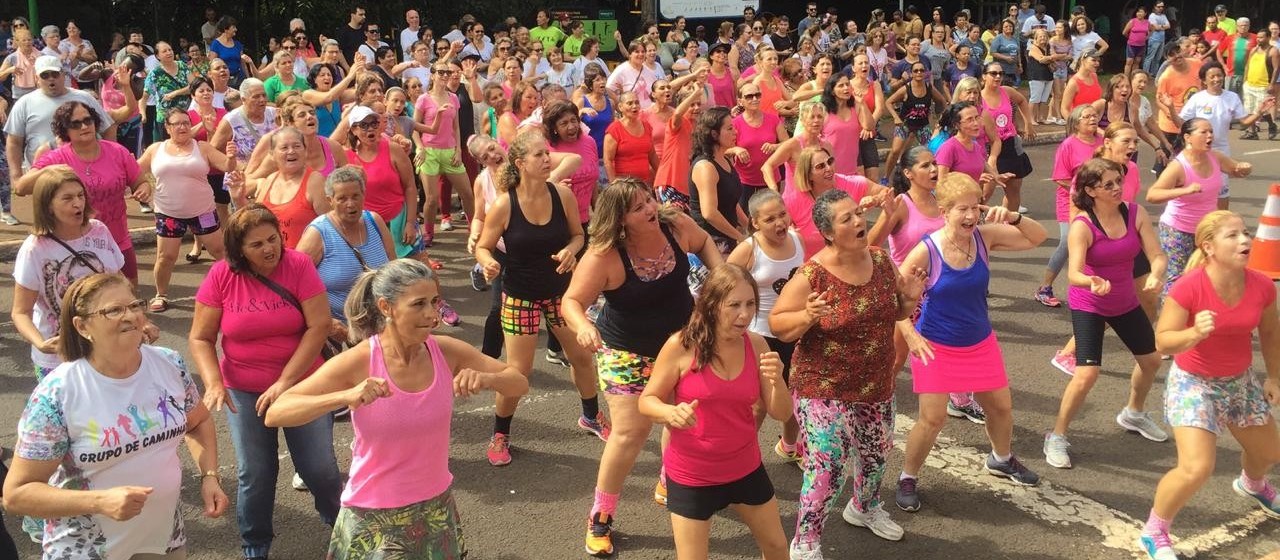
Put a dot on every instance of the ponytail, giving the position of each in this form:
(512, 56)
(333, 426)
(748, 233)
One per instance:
(361, 309)
(508, 177)
(1206, 230)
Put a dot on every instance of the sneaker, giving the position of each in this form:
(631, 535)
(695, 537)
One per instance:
(1013, 469)
(478, 283)
(1158, 546)
(10, 219)
(446, 224)
(1065, 362)
(448, 315)
(598, 426)
(298, 484)
(1266, 498)
(1272, 135)
(1046, 298)
(1024, 210)
(557, 358)
(792, 456)
(660, 492)
(1142, 423)
(876, 519)
(1249, 135)
(971, 411)
(1055, 451)
(342, 413)
(907, 497)
(798, 551)
(600, 535)
(499, 452)
(145, 208)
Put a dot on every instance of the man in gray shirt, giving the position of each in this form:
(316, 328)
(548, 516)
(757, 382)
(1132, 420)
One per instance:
(30, 122)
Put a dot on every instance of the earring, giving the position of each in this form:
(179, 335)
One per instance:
(622, 235)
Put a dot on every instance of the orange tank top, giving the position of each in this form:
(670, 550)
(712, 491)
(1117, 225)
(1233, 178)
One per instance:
(295, 214)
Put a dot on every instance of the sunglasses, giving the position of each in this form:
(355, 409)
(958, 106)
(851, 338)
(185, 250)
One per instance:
(367, 125)
(51, 74)
(440, 72)
(995, 73)
(81, 123)
(442, 48)
(373, 31)
(752, 96)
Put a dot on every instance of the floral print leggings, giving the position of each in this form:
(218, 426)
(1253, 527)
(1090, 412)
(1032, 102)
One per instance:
(839, 437)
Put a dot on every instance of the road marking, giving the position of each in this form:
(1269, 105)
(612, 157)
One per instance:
(1254, 153)
(1224, 534)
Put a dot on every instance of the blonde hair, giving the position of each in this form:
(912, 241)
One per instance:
(967, 83)
(610, 211)
(809, 107)
(1206, 230)
(804, 167)
(954, 186)
(509, 174)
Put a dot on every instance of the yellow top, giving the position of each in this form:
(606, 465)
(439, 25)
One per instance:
(1255, 69)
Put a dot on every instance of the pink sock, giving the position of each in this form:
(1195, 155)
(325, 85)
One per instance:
(605, 503)
(1259, 486)
(1155, 524)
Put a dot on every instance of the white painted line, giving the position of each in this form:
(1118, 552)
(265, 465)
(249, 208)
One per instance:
(1256, 152)
(1224, 534)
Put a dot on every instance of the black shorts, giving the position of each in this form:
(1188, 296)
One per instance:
(1133, 328)
(868, 153)
(1141, 266)
(701, 502)
(784, 350)
(220, 193)
(1010, 161)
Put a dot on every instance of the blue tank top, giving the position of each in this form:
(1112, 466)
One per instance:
(955, 303)
(339, 266)
(597, 124)
(327, 117)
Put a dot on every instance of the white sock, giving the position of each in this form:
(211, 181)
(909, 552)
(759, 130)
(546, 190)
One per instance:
(905, 476)
(1002, 459)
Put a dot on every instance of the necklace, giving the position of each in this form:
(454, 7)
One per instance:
(968, 256)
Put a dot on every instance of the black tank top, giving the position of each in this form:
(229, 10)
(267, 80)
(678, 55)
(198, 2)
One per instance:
(915, 110)
(1104, 118)
(638, 316)
(1037, 70)
(728, 193)
(530, 271)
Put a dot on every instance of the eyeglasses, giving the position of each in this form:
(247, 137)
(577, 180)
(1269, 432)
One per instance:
(995, 73)
(288, 47)
(752, 96)
(1109, 186)
(367, 124)
(442, 72)
(81, 123)
(178, 124)
(51, 74)
(116, 312)
(757, 29)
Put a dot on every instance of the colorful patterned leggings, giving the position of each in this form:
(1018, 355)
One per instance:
(840, 437)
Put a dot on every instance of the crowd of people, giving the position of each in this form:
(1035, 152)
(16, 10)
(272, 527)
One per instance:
(692, 226)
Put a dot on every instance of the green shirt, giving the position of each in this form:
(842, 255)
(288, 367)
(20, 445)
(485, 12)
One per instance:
(274, 87)
(573, 46)
(549, 36)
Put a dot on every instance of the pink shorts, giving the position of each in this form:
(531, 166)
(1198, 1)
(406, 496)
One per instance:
(954, 369)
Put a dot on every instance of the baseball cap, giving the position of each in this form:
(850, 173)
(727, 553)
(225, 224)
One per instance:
(359, 114)
(47, 63)
(1220, 8)
(720, 47)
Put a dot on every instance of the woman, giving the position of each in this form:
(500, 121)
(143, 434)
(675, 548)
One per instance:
(560, 71)
(226, 47)
(1005, 50)
(564, 135)
(814, 175)
(742, 54)
(294, 192)
(910, 107)
(1105, 240)
(1010, 160)
(769, 81)
(197, 61)
(839, 309)
(772, 255)
(441, 142)
(21, 64)
(59, 455)
(639, 261)
(65, 244)
(677, 33)
(878, 57)
(633, 76)
(283, 79)
(813, 117)
(539, 224)
(1207, 325)
(964, 66)
(823, 67)
(167, 83)
(1062, 51)
(183, 200)
(268, 306)
(1221, 107)
(1140, 79)
(721, 77)
(1041, 68)
(596, 105)
(392, 194)
(524, 101)
(958, 350)
(327, 96)
(938, 22)
(705, 383)
(1083, 36)
(848, 122)
(759, 133)
(1136, 31)
(320, 154)
(398, 366)
(937, 50)
(684, 64)
(107, 170)
(1117, 106)
(1085, 86)
(205, 116)
(1191, 188)
(715, 187)
(628, 143)
(966, 153)
(1071, 154)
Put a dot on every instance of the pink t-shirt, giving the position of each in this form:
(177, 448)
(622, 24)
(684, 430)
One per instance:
(673, 160)
(1132, 183)
(260, 330)
(106, 180)
(752, 139)
(444, 138)
(1229, 350)
(389, 470)
(583, 181)
(800, 207)
(659, 126)
(1072, 153)
(844, 137)
(958, 159)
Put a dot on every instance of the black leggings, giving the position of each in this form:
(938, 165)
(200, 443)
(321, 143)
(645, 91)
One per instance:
(1133, 328)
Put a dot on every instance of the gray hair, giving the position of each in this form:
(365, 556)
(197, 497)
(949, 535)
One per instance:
(823, 217)
(761, 198)
(271, 142)
(248, 84)
(389, 282)
(50, 30)
(333, 42)
(296, 24)
(344, 175)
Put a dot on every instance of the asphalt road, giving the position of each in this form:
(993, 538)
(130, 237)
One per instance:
(536, 507)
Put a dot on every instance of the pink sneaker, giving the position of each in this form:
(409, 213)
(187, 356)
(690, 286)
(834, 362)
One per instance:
(1046, 298)
(1066, 363)
(598, 426)
(447, 314)
(499, 452)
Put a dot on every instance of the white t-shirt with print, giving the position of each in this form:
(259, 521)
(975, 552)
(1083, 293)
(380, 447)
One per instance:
(45, 267)
(1219, 110)
(105, 433)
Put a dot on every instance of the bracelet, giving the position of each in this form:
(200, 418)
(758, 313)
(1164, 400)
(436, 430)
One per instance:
(1017, 221)
(211, 473)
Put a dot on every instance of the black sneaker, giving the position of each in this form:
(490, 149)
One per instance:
(907, 498)
(557, 358)
(1013, 469)
(1271, 135)
(1249, 134)
(478, 283)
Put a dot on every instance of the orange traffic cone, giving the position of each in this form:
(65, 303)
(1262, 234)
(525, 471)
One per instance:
(1264, 256)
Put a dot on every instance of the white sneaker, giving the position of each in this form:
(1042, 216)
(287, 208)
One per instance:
(799, 552)
(1055, 451)
(1142, 423)
(876, 519)
(446, 225)
(298, 484)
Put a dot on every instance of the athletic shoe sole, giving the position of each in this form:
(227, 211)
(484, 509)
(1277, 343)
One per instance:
(1123, 422)
(1239, 488)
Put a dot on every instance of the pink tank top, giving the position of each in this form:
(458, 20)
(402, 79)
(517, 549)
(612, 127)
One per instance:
(723, 93)
(1002, 115)
(753, 139)
(912, 231)
(1184, 213)
(844, 137)
(384, 194)
(389, 470)
(182, 183)
(722, 446)
(659, 126)
(328, 156)
(295, 213)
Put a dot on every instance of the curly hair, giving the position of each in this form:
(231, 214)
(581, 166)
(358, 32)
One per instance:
(1090, 175)
(553, 114)
(62, 119)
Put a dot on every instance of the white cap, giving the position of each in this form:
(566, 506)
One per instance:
(46, 63)
(357, 114)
